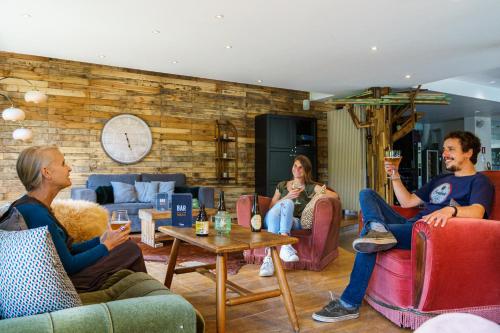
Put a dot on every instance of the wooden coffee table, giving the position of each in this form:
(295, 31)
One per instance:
(149, 217)
(238, 240)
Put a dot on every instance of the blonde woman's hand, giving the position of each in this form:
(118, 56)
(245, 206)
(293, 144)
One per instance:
(113, 238)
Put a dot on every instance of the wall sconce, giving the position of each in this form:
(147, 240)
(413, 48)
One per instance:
(15, 114)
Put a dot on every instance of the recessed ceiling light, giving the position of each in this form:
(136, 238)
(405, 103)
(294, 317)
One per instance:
(156, 31)
(493, 82)
(220, 16)
(374, 48)
(477, 111)
(27, 15)
(175, 62)
(102, 56)
(407, 76)
(259, 81)
(229, 46)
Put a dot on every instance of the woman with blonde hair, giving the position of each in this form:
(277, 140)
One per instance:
(44, 173)
(287, 204)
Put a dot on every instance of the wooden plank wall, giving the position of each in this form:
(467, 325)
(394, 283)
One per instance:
(180, 111)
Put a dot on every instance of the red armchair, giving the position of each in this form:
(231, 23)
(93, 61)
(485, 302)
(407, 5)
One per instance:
(316, 247)
(451, 269)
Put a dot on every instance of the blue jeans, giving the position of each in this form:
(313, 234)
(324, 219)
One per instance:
(374, 209)
(279, 219)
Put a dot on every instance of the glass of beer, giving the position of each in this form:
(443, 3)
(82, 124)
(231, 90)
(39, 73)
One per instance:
(119, 219)
(393, 157)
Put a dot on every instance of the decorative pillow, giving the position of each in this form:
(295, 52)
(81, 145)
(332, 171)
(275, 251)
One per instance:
(146, 191)
(306, 219)
(166, 187)
(124, 192)
(104, 195)
(82, 219)
(186, 189)
(32, 277)
(12, 221)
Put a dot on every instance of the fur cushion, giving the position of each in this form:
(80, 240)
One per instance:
(82, 219)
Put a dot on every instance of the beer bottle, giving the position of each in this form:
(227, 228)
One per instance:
(202, 222)
(256, 220)
(223, 218)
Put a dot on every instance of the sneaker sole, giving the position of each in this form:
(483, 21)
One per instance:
(334, 319)
(298, 259)
(370, 247)
(266, 275)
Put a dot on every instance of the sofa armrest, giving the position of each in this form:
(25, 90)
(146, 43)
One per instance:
(206, 196)
(244, 208)
(81, 193)
(326, 224)
(456, 266)
(161, 313)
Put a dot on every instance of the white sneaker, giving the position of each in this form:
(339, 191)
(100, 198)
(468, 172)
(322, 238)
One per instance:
(288, 254)
(267, 268)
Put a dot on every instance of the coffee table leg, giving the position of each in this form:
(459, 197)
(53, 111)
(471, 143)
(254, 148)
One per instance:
(221, 292)
(285, 290)
(171, 262)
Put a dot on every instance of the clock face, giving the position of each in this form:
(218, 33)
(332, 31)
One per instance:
(126, 139)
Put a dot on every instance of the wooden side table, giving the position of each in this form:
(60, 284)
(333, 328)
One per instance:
(149, 217)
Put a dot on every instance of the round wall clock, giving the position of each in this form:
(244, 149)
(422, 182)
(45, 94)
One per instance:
(126, 139)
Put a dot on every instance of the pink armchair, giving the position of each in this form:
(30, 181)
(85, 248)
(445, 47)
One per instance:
(451, 269)
(316, 247)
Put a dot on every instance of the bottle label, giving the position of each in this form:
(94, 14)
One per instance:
(256, 222)
(202, 227)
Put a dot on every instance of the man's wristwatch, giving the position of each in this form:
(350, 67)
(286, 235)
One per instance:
(455, 211)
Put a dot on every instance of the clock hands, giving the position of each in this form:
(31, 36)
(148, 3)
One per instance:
(128, 142)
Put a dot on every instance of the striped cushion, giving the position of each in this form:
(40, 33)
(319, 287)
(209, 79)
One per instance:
(32, 278)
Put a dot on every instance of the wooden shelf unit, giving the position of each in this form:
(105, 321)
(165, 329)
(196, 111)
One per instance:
(226, 141)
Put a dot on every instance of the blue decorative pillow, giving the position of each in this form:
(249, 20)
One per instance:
(124, 192)
(32, 277)
(146, 191)
(166, 187)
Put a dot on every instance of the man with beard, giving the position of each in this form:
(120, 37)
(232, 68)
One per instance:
(461, 193)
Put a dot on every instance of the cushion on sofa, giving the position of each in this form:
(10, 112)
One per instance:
(146, 191)
(104, 195)
(178, 178)
(32, 277)
(166, 187)
(124, 192)
(97, 180)
(132, 208)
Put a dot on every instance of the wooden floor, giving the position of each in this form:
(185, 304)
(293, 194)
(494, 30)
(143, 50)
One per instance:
(310, 292)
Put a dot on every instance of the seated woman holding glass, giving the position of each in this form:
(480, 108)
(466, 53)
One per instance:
(287, 204)
(44, 173)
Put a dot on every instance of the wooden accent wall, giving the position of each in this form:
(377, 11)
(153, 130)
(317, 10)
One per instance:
(180, 111)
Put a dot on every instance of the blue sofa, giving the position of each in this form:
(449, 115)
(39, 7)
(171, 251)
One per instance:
(205, 194)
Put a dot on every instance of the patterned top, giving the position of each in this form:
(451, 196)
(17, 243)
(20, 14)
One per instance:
(304, 197)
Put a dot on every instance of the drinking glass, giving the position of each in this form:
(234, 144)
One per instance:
(297, 186)
(393, 157)
(119, 218)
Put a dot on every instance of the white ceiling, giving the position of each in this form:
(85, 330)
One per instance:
(320, 46)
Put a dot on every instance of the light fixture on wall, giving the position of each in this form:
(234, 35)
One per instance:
(15, 114)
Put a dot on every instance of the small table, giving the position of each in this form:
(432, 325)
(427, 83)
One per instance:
(239, 239)
(149, 217)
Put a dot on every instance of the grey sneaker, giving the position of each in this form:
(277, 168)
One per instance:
(374, 241)
(334, 311)
(267, 267)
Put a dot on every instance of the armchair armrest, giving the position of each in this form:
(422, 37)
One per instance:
(160, 313)
(326, 224)
(206, 196)
(244, 208)
(82, 193)
(456, 266)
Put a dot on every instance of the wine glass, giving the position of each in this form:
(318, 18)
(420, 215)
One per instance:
(297, 186)
(393, 157)
(119, 219)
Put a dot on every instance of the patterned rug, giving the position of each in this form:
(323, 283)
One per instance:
(188, 253)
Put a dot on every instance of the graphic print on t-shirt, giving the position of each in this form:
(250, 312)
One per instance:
(440, 193)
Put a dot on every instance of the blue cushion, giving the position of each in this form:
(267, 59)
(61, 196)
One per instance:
(95, 181)
(146, 191)
(32, 277)
(124, 192)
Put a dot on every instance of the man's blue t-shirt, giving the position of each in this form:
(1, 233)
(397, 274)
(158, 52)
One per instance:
(450, 190)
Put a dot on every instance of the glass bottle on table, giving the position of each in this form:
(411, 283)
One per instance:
(202, 224)
(222, 218)
(256, 219)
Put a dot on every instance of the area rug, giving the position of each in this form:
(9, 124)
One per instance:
(188, 253)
